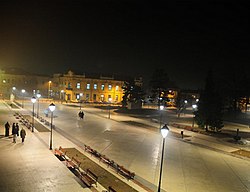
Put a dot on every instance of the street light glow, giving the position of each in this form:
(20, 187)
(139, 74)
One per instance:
(52, 107)
(33, 99)
(164, 131)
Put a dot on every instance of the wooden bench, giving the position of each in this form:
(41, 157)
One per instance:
(110, 189)
(126, 173)
(106, 160)
(60, 153)
(89, 178)
(88, 149)
(73, 163)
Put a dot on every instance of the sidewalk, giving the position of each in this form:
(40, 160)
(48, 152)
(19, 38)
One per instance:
(193, 137)
(31, 166)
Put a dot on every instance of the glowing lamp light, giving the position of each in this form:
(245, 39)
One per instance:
(164, 131)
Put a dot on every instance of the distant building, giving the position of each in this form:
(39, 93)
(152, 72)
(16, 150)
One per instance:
(75, 88)
(65, 87)
(13, 82)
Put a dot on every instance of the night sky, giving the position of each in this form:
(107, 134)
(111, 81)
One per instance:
(185, 38)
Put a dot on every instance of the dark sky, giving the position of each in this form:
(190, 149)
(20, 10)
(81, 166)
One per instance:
(133, 37)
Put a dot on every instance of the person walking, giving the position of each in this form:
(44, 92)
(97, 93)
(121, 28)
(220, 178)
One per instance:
(7, 128)
(17, 129)
(22, 134)
(14, 132)
(13, 127)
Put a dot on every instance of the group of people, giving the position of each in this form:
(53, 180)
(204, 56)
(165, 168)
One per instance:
(81, 114)
(14, 131)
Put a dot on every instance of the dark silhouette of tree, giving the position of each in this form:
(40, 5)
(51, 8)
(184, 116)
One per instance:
(236, 90)
(159, 84)
(132, 93)
(209, 113)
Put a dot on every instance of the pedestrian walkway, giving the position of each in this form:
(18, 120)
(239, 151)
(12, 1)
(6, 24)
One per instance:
(195, 138)
(31, 166)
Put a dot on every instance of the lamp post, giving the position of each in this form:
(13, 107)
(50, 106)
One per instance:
(194, 106)
(23, 91)
(164, 133)
(110, 99)
(33, 100)
(38, 95)
(62, 96)
(13, 93)
(80, 101)
(161, 108)
(52, 108)
(49, 90)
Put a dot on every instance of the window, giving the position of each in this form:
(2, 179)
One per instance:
(117, 88)
(78, 96)
(110, 87)
(116, 98)
(95, 86)
(94, 97)
(88, 86)
(102, 97)
(78, 85)
(69, 85)
(102, 87)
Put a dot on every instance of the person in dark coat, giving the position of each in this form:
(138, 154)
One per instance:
(22, 134)
(17, 129)
(81, 114)
(13, 127)
(7, 128)
(14, 132)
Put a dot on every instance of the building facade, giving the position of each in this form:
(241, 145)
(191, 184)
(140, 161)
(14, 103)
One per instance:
(80, 88)
(20, 85)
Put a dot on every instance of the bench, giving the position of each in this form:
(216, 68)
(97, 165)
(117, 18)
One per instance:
(89, 178)
(88, 149)
(60, 153)
(110, 189)
(73, 163)
(96, 154)
(106, 160)
(126, 173)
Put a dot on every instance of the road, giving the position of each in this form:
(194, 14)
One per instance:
(186, 167)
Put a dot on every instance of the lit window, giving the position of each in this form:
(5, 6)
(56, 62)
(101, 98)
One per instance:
(69, 85)
(116, 87)
(88, 86)
(78, 85)
(110, 87)
(102, 87)
(95, 86)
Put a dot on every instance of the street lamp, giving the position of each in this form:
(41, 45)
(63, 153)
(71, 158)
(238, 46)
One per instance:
(38, 95)
(164, 133)
(12, 95)
(110, 99)
(161, 108)
(62, 96)
(33, 100)
(80, 101)
(49, 90)
(52, 108)
(23, 91)
(194, 106)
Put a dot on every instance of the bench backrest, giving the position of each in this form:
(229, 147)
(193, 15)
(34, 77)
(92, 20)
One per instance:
(77, 161)
(62, 150)
(111, 189)
(90, 173)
